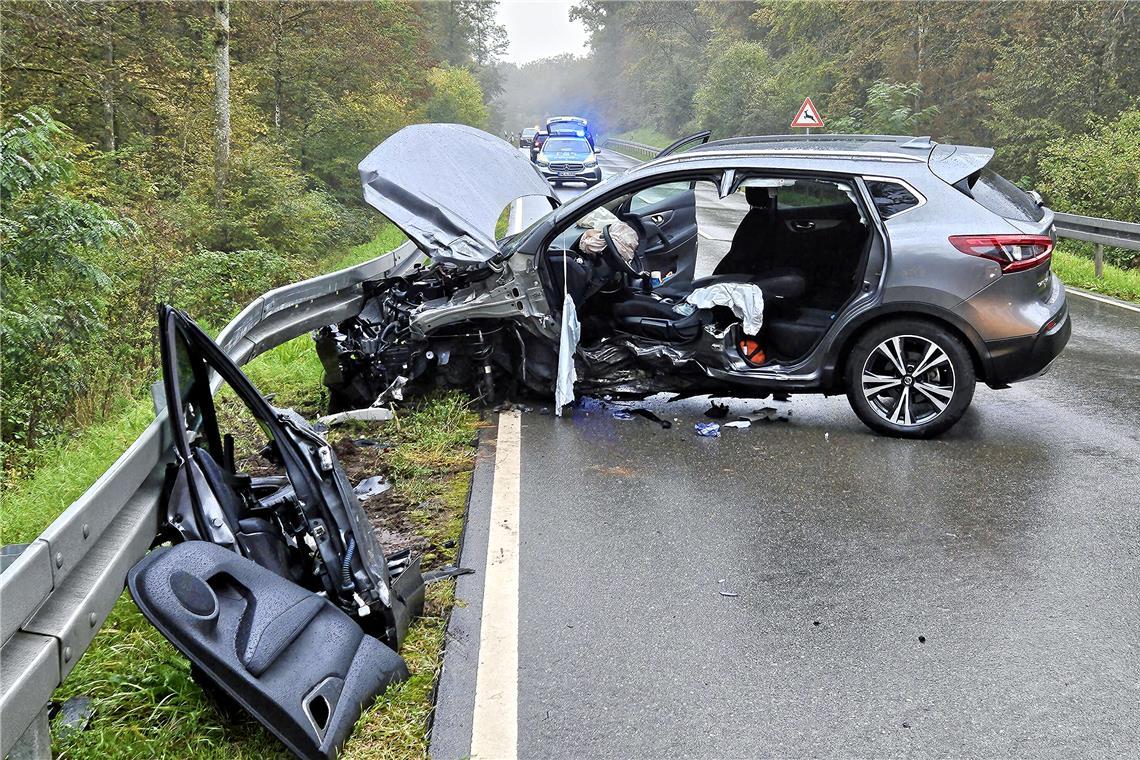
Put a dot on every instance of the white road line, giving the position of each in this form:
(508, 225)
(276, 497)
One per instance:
(494, 727)
(1102, 299)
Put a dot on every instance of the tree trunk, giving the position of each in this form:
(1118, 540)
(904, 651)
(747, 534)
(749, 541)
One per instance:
(278, 63)
(107, 89)
(221, 98)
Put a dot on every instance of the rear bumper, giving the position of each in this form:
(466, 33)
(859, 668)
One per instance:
(1015, 359)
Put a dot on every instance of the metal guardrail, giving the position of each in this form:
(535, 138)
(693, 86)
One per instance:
(56, 594)
(1099, 232)
(634, 149)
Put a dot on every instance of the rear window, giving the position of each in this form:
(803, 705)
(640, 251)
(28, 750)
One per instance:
(571, 144)
(891, 198)
(1004, 198)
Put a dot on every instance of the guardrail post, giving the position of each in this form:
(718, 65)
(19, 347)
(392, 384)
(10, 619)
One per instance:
(1098, 261)
(35, 742)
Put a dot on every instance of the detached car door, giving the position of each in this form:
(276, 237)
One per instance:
(273, 582)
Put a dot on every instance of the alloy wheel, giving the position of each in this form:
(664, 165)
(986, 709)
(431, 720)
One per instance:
(908, 380)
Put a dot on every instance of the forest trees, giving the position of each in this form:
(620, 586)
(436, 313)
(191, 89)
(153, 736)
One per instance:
(1015, 75)
(229, 131)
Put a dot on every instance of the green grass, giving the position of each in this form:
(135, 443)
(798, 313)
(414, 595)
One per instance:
(29, 505)
(646, 137)
(388, 238)
(68, 470)
(1073, 266)
(146, 703)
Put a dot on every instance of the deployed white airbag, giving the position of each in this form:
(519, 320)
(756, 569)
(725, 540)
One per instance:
(745, 299)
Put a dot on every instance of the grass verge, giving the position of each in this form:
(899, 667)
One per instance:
(70, 469)
(646, 137)
(1074, 266)
(145, 701)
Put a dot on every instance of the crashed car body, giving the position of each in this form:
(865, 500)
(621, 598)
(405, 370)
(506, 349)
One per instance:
(896, 270)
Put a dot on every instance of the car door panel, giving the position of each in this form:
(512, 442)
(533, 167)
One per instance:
(670, 229)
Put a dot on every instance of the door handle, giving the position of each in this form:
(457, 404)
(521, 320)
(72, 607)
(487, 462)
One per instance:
(801, 225)
(657, 219)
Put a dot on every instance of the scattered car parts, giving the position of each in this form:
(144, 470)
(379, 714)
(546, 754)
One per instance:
(271, 575)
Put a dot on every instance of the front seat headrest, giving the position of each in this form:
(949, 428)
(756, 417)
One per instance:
(757, 197)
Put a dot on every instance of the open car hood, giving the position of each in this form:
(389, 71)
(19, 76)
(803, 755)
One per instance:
(445, 186)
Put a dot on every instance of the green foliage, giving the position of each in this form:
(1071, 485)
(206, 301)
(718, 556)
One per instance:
(738, 92)
(52, 238)
(314, 87)
(1096, 173)
(456, 97)
(890, 110)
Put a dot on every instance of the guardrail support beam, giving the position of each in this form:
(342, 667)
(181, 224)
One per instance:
(1098, 261)
(35, 742)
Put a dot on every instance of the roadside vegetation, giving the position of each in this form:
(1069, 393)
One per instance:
(1072, 261)
(141, 165)
(146, 704)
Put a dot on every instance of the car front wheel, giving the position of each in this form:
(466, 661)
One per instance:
(909, 379)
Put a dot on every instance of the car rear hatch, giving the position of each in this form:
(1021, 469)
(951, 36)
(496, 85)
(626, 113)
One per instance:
(1023, 250)
(446, 185)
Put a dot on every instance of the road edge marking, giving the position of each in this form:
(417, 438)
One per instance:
(494, 725)
(1102, 299)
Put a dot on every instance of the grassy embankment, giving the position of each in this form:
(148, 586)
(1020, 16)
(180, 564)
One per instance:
(1072, 261)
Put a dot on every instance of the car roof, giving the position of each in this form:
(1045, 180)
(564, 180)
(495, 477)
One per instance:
(949, 162)
(578, 119)
(917, 148)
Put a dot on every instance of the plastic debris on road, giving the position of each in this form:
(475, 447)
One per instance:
(767, 414)
(717, 411)
(589, 404)
(373, 486)
(708, 429)
(370, 414)
(640, 412)
(622, 414)
(738, 424)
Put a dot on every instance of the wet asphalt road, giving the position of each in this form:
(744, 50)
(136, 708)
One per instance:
(805, 588)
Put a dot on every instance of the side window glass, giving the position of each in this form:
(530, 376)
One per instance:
(810, 194)
(651, 195)
(891, 198)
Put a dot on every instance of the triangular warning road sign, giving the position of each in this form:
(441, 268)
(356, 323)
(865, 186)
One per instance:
(807, 116)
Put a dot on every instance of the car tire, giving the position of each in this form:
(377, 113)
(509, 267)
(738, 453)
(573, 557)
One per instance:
(909, 379)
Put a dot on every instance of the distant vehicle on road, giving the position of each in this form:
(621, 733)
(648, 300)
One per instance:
(536, 144)
(570, 126)
(896, 270)
(526, 137)
(568, 159)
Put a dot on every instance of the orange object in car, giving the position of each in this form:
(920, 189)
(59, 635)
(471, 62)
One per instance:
(752, 352)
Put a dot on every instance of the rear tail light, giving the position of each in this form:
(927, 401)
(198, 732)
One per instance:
(1013, 252)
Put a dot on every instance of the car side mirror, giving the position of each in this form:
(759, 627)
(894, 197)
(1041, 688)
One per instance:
(597, 151)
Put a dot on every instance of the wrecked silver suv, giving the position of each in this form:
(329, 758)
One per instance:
(896, 270)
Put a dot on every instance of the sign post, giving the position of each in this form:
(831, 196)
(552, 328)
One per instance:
(807, 117)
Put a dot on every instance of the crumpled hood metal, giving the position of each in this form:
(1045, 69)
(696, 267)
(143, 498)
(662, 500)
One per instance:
(445, 186)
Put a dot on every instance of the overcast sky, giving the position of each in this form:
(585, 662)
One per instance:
(540, 28)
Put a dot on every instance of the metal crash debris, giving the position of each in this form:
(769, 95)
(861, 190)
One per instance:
(276, 587)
